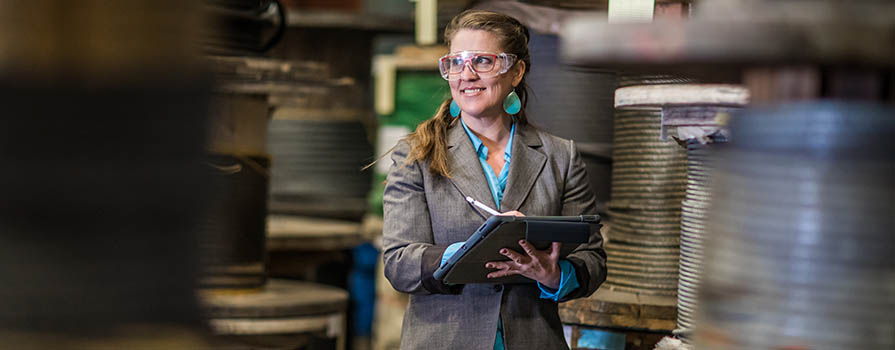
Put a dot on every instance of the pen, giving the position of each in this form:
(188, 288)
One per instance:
(482, 206)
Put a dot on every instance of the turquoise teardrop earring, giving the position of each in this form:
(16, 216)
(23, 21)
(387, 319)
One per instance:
(512, 104)
(455, 109)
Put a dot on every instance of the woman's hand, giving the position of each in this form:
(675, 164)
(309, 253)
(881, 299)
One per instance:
(539, 265)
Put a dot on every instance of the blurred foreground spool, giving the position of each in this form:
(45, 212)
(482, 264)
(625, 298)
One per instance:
(104, 116)
(802, 255)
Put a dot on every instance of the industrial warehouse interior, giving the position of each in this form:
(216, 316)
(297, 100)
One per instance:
(447, 174)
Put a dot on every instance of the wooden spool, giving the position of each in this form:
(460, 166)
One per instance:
(284, 307)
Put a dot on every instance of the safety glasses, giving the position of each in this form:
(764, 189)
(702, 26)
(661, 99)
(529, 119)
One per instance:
(485, 64)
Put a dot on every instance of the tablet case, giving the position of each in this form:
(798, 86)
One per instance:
(467, 265)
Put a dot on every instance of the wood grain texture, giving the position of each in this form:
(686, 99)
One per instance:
(607, 308)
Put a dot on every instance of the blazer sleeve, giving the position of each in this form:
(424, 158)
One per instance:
(409, 254)
(589, 259)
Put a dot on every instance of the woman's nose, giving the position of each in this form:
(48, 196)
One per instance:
(468, 73)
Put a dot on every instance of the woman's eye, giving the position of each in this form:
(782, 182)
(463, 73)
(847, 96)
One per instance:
(483, 60)
(457, 61)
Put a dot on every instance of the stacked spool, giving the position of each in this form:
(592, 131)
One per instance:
(243, 307)
(320, 144)
(801, 219)
(574, 103)
(696, 116)
(232, 231)
(319, 164)
(648, 184)
(653, 196)
(694, 215)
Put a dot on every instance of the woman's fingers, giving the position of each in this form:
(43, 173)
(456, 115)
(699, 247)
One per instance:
(554, 251)
(515, 257)
(504, 268)
(512, 213)
(539, 265)
(528, 248)
(502, 273)
(501, 265)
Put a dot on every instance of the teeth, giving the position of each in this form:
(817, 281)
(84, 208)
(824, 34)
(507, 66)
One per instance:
(473, 90)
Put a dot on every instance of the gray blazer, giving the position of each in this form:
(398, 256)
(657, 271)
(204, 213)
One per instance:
(425, 213)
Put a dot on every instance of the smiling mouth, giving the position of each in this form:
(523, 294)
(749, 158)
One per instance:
(472, 91)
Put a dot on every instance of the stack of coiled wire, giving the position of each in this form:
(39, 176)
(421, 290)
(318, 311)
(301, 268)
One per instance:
(648, 183)
(318, 166)
(694, 214)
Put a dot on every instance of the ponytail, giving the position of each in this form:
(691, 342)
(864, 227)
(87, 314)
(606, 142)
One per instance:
(429, 141)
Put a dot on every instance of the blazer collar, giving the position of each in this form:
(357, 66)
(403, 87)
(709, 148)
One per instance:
(525, 165)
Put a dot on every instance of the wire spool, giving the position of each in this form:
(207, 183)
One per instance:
(651, 178)
(298, 310)
(801, 218)
(695, 115)
(648, 183)
(232, 236)
(318, 167)
(573, 103)
(694, 215)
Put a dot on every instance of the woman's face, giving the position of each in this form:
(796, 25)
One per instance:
(477, 95)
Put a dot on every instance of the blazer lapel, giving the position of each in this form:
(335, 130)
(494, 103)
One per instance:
(526, 164)
(466, 170)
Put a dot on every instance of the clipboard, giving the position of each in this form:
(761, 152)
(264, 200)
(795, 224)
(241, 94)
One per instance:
(467, 265)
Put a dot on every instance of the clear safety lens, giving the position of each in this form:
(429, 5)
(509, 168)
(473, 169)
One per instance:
(484, 64)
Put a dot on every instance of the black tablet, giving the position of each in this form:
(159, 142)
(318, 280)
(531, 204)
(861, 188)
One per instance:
(467, 265)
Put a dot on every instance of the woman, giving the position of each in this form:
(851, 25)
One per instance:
(479, 144)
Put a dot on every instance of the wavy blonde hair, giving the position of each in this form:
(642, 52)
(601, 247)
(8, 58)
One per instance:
(429, 141)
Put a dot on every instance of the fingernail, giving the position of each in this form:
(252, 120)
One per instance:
(488, 265)
(522, 241)
(503, 251)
